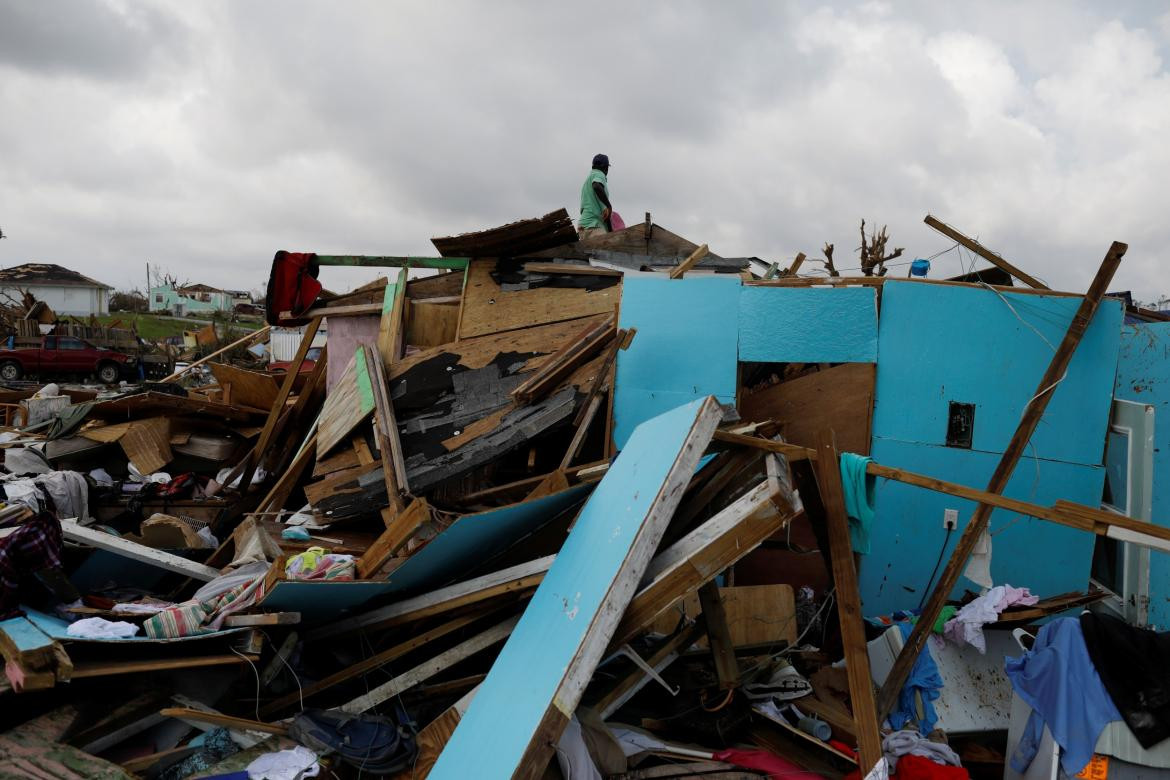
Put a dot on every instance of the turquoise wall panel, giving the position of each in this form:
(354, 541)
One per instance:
(511, 702)
(1143, 376)
(685, 347)
(474, 539)
(952, 343)
(939, 344)
(808, 324)
(908, 531)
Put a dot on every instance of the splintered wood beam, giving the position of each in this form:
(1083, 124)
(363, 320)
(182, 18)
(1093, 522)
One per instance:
(719, 636)
(387, 261)
(865, 717)
(261, 449)
(565, 361)
(188, 715)
(350, 310)
(370, 664)
(789, 451)
(91, 537)
(983, 252)
(393, 313)
(691, 261)
(796, 263)
(386, 431)
(399, 530)
(1033, 411)
(431, 667)
(254, 336)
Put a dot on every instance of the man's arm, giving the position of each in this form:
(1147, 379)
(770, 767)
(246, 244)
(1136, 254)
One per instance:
(599, 191)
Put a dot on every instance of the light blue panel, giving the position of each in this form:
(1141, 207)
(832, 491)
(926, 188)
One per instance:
(472, 539)
(57, 628)
(685, 347)
(25, 635)
(1143, 376)
(808, 324)
(502, 718)
(908, 531)
(322, 600)
(942, 343)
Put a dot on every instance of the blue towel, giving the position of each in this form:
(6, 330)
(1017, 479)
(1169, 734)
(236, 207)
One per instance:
(1059, 682)
(925, 681)
(858, 488)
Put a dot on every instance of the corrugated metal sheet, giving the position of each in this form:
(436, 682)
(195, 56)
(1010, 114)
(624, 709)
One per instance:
(283, 342)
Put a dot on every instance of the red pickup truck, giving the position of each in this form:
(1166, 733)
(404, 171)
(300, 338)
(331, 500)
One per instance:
(58, 355)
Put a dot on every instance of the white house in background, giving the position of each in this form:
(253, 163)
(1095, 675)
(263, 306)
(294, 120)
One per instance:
(62, 290)
(194, 298)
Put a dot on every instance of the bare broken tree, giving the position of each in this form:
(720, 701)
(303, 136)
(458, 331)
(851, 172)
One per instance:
(828, 261)
(873, 251)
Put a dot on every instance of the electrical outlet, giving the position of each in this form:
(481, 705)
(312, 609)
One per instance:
(950, 519)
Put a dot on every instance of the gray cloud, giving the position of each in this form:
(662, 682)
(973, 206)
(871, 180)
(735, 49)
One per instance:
(205, 136)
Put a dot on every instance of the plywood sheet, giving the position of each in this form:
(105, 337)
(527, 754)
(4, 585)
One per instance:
(685, 347)
(147, 443)
(756, 614)
(249, 388)
(839, 398)
(349, 403)
(488, 309)
(537, 680)
(808, 325)
(533, 345)
(431, 324)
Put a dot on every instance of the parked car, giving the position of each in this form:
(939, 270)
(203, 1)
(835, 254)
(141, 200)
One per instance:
(64, 355)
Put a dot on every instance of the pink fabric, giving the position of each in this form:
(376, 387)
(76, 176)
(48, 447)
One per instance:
(615, 221)
(762, 760)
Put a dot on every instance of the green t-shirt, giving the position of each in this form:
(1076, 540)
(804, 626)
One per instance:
(591, 206)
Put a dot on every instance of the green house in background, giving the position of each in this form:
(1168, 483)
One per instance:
(182, 301)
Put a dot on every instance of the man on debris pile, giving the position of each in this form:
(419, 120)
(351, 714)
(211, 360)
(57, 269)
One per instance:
(595, 207)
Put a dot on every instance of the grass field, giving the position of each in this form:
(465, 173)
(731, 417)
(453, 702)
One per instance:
(155, 328)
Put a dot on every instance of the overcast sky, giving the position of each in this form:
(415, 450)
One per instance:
(204, 136)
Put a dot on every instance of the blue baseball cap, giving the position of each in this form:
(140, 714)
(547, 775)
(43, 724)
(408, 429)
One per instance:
(600, 160)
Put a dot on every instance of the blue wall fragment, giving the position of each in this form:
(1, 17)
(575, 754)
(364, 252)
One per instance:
(808, 324)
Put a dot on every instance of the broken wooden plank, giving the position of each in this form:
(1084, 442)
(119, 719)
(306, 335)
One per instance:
(488, 308)
(567, 625)
(390, 328)
(370, 664)
(399, 530)
(701, 555)
(719, 636)
(865, 717)
(431, 667)
(513, 579)
(983, 252)
(348, 404)
(840, 397)
(564, 361)
(569, 268)
(76, 532)
(260, 451)
(189, 715)
(1033, 412)
(257, 389)
(692, 260)
(353, 310)
(250, 338)
(386, 431)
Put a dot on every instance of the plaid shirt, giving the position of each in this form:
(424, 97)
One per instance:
(36, 545)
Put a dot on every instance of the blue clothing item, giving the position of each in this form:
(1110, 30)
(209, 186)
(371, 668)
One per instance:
(858, 488)
(1058, 681)
(925, 681)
